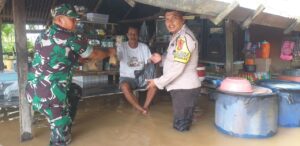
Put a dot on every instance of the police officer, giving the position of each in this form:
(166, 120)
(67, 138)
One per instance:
(56, 54)
(179, 70)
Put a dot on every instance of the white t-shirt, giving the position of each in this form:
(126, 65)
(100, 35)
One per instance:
(132, 59)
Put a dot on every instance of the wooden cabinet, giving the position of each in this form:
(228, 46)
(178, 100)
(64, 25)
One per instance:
(214, 42)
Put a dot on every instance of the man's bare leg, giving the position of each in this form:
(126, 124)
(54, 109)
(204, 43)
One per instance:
(150, 95)
(125, 87)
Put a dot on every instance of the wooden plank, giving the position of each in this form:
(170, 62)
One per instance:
(2, 4)
(249, 20)
(155, 16)
(292, 26)
(229, 47)
(225, 13)
(1, 49)
(206, 7)
(131, 3)
(19, 17)
(127, 13)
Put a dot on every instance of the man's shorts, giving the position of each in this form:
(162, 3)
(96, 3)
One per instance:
(131, 81)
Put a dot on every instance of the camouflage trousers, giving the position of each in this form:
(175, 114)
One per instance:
(60, 123)
(59, 113)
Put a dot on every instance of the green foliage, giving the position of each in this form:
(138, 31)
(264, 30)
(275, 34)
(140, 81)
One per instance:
(8, 39)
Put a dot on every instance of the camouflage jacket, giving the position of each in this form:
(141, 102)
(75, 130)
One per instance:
(56, 54)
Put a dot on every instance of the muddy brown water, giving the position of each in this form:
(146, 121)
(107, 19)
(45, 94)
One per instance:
(109, 121)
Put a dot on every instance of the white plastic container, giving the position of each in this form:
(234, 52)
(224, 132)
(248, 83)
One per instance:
(97, 18)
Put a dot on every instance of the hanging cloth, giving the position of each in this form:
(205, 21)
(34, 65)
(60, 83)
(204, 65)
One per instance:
(287, 50)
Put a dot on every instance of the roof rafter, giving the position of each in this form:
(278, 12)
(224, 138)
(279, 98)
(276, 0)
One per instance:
(292, 26)
(225, 12)
(249, 20)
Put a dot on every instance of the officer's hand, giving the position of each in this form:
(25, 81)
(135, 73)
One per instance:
(155, 58)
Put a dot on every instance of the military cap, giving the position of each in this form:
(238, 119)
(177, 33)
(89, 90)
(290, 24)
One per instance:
(64, 9)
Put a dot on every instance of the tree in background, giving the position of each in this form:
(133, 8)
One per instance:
(8, 39)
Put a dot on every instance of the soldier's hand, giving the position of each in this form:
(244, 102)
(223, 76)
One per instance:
(83, 60)
(112, 51)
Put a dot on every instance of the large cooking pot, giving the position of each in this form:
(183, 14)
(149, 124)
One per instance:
(289, 100)
(248, 115)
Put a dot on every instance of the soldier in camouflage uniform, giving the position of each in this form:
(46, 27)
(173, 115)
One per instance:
(49, 78)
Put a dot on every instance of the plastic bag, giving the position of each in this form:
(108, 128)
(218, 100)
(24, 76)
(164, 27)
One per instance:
(143, 36)
(148, 72)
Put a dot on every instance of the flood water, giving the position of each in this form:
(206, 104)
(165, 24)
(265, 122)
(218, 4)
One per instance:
(109, 121)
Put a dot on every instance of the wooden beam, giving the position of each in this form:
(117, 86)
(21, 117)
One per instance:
(292, 26)
(127, 13)
(248, 21)
(225, 12)
(2, 4)
(131, 3)
(193, 6)
(229, 47)
(1, 49)
(155, 16)
(97, 6)
(19, 17)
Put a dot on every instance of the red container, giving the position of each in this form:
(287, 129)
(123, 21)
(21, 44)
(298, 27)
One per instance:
(201, 70)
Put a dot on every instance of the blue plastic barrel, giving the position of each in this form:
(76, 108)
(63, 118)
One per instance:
(246, 115)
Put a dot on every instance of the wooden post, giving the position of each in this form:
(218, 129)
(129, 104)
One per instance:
(229, 47)
(1, 49)
(2, 3)
(19, 17)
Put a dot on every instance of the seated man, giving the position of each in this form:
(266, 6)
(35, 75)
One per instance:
(133, 55)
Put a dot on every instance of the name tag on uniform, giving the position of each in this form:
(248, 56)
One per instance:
(182, 53)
